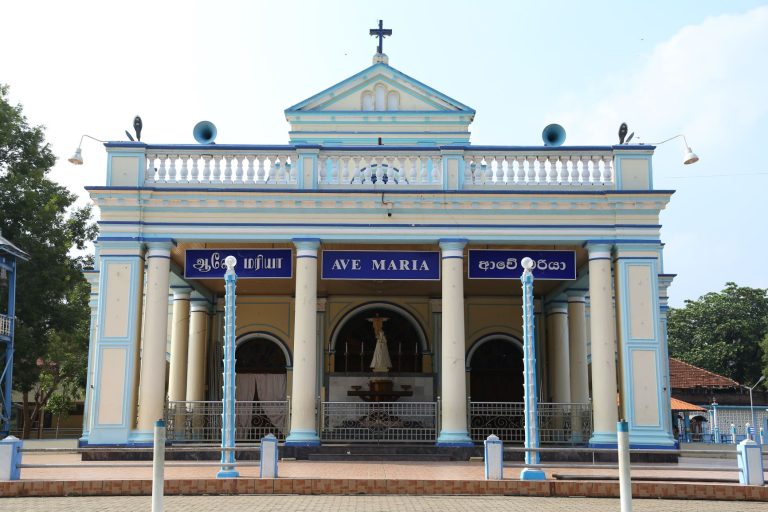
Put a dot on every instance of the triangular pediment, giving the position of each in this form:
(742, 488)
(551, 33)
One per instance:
(380, 88)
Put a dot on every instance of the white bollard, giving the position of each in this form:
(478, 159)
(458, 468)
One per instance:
(158, 467)
(494, 458)
(268, 463)
(625, 477)
(10, 458)
(750, 460)
(733, 433)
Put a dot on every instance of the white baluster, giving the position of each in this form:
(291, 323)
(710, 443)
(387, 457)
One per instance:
(468, 178)
(608, 174)
(353, 171)
(227, 161)
(396, 175)
(343, 170)
(584, 170)
(276, 171)
(552, 161)
(530, 174)
(216, 169)
(377, 169)
(261, 172)
(206, 169)
(541, 174)
(290, 169)
(162, 174)
(250, 172)
(195, 172)
(365, 167)
(149, 169)
(184, 171)
(520, 171)
(322, 169)
(239, 159)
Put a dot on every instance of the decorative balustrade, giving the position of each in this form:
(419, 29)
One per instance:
(377, 167)
(380, 170)
(519, 168)
(210, 167)
(5, 325)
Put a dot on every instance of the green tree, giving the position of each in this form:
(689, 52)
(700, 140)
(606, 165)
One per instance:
(40, 217)
(722, 332)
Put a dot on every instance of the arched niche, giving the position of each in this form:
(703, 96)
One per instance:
(353, 339)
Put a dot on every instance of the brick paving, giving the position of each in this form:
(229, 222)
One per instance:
(367, 504)
(325, 479)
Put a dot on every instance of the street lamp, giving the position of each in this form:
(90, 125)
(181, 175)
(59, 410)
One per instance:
(751, 405)
(77, 157)
(689, 156)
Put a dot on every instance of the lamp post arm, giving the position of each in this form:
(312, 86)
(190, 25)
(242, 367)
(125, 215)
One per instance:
(93, 138)
(671, 138)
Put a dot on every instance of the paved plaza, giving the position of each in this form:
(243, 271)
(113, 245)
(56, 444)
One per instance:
(367, 504)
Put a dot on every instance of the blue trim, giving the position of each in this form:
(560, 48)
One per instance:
(409, 191)
(306, 256)
(531, 474)
(453, 257)
(388, 225)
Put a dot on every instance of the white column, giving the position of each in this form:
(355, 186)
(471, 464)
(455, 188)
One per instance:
(452, 355)
(577, 336)
(559, 357)
(177, 380)
(303, 431)
(198, 340)
(155, 341)
(604, 388)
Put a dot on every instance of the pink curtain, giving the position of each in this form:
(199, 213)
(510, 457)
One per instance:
(271, 387)
(245, 389)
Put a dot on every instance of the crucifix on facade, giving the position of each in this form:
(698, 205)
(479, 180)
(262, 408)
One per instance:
(381, 33)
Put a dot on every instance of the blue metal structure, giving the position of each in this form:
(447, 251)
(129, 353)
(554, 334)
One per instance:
(228, 410)
(9, 256)
(529, 378)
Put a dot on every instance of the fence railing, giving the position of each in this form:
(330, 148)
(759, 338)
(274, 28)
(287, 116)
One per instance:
(558, 423)
(201, 421)
(379, 422)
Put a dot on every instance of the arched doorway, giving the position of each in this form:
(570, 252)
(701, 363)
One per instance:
(260, 386)
(354, 340)
(496, 369)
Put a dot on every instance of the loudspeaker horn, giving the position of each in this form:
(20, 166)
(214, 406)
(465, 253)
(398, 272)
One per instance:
(553, 135)
(204, 132)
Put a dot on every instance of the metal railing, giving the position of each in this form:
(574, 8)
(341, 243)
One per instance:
(5, 325)
(378, 421)
(201, 421)
(558, 423)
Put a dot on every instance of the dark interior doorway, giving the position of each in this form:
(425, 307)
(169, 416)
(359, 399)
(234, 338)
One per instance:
(496, 372)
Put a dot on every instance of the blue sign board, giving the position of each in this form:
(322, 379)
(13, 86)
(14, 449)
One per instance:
(504, 264)
(382, 265)
(251, 263)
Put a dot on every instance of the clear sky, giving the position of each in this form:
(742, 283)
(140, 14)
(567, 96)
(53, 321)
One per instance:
(665, 67)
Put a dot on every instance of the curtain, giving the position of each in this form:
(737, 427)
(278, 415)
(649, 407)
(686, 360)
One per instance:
(271, 387)
(245, 389)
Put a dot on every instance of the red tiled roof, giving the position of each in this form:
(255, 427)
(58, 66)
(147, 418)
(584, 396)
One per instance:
(686, 376)
(679, 405)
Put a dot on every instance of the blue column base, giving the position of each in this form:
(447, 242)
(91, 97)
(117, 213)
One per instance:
(532, 474)
(141, 437)
(228, 473)
(454, 439)
(302, 438)
(603, 440)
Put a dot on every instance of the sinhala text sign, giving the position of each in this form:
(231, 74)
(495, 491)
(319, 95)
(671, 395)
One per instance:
(506, 264)
(251, 263)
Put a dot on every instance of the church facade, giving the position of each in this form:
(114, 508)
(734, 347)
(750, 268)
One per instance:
(378, 295)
